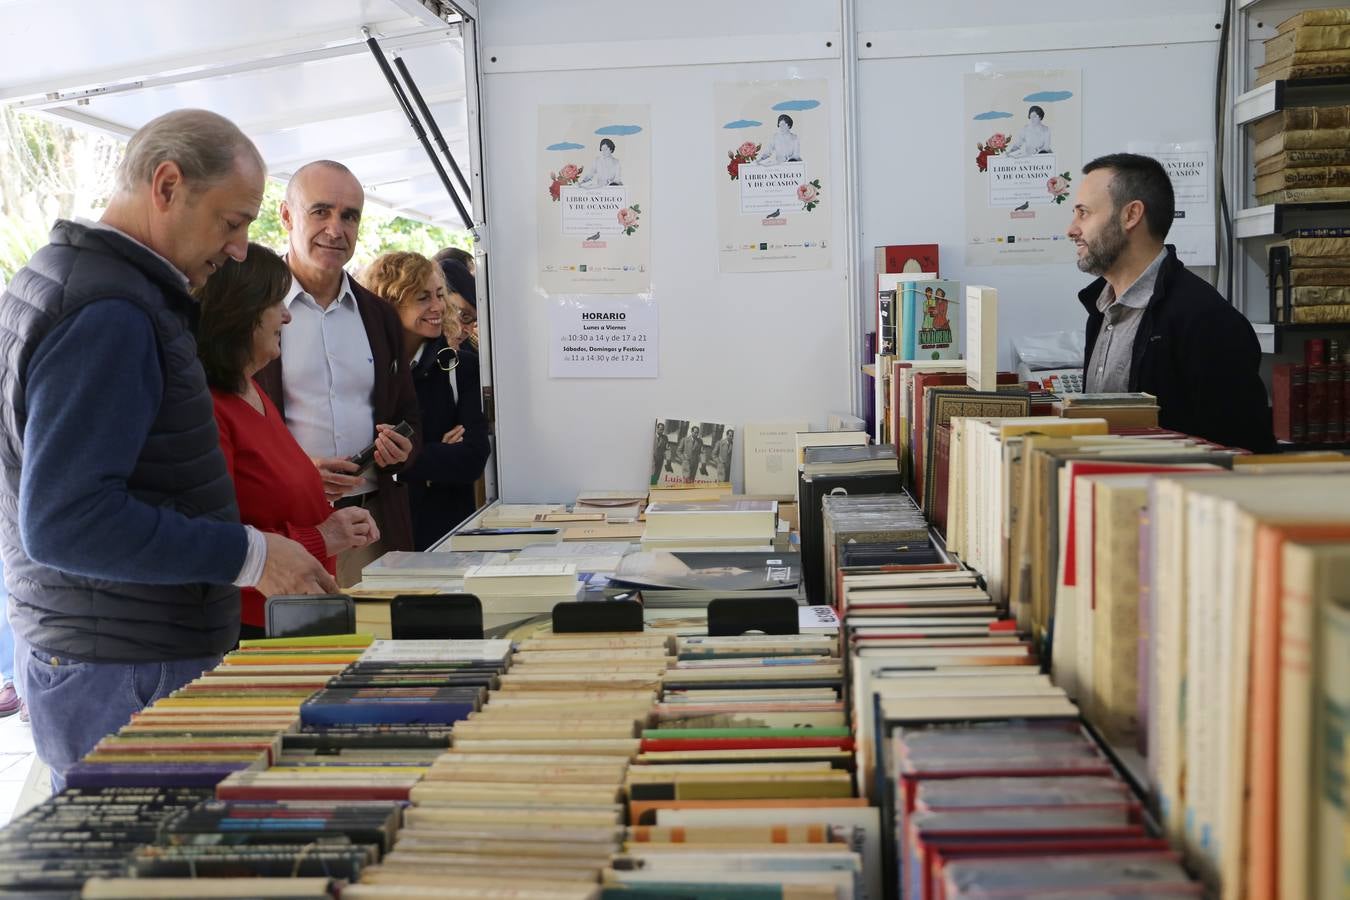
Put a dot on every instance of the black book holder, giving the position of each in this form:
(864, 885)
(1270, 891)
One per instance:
(453, 617)
(589, 616)
(730, 616)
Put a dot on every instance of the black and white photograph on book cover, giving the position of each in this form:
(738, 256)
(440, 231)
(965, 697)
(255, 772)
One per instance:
(687, 452)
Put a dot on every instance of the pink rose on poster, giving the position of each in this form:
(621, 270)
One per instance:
(1057, 186)
(628, 218)
(569, 173)
(809, 194)
(747, 150)
(996, 142)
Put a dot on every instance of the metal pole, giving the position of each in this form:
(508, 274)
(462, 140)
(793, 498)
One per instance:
(430, 120)
(376, 52)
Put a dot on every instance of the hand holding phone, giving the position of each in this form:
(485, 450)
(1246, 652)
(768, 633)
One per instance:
(366, 457)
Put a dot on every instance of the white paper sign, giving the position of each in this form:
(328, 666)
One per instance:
(610, 337)
(1191, 167)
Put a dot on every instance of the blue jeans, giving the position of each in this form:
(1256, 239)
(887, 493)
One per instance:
(6, 634)
(72, 705)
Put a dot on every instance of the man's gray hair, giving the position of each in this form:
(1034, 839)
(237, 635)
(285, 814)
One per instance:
(205, 145)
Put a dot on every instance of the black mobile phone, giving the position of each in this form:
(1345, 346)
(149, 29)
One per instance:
(366, 457)
(303, 615)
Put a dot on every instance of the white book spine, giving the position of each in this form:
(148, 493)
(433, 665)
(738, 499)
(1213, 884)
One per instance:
(981, 338)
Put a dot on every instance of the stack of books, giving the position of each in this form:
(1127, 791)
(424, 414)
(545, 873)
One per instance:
(1312, 44)
(1309, 274)
(1121, 411)
(866, 529)
(1308, 399)
(743, 784)
(511, 592)
(225, 722)
(85, 833)
(703, 524)
(527, 798)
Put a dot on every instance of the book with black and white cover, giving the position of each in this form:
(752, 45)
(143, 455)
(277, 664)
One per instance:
(718, 572)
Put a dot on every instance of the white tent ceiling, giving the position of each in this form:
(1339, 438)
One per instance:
(297, 76)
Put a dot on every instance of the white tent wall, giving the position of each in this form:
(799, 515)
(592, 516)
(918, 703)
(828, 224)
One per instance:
(1148, 75)
(734, 347)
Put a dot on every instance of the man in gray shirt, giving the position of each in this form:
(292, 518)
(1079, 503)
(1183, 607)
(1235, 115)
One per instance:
(1153, 325)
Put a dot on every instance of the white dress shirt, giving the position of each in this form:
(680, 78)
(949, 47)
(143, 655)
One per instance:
(328, 376)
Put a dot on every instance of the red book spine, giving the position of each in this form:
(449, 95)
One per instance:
(942, 453)
(1335, 403)
(1282, 400)
(1298, 417)
(1317, 404)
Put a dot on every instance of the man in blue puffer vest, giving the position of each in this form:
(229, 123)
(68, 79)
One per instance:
(123, 551)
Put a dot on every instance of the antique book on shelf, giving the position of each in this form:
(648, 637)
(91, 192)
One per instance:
(1309, 177)
(770, 458)
(943, 404)
(1308, 194)
(1291, 159)
(1318, 315)
(1299, 118)
(981, 338)
(1291, 68)
(1289, 401)
(1303, 139)
(923, 381)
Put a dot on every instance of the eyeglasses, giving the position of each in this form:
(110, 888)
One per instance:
(468, 317)
(447, 359)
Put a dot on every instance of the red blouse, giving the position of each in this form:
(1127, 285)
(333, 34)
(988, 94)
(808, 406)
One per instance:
(277, 486)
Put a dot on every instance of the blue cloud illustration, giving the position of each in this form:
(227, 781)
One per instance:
(743, 123)
(992, 114)
(565, 145)
(1047, 96)
(619, 129)
(788, 105)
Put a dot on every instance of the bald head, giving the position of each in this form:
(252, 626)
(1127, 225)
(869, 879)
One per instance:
(321, 213)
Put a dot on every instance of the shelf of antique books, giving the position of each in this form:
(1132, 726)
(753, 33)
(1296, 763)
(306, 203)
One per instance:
(1272, 335)
(1274, 96)
(1277, 218)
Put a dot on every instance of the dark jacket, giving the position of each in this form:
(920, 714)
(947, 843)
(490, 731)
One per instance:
(1199, 356)
(394, 401)
(441, 481)
(115, 611)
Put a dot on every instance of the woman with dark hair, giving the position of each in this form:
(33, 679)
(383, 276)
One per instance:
(455, 444)
(277, 486)
(1033, 138)
(784, 146)
(605, 170)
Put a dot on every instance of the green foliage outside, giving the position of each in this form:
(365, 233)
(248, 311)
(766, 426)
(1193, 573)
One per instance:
(49, 171)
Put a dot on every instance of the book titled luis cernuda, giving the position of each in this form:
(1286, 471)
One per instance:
(686, 453)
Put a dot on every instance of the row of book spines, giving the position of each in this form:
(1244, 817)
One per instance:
(1310, 403)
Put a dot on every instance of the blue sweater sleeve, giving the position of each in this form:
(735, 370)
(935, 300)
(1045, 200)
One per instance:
(92, 399)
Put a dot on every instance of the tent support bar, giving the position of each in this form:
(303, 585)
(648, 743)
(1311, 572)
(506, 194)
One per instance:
(435, 129)
(388, 73)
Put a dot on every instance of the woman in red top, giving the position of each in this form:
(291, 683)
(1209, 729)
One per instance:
(278, 488)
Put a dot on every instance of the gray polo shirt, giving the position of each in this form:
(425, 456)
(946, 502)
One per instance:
(1109, 369)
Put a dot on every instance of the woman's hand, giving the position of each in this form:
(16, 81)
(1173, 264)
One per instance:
(454, 435)
(348, 528)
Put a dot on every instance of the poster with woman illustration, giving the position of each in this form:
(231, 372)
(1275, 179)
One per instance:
(772, 176)
(594, 193)
(1022, 157)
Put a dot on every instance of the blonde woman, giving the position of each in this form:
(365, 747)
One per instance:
(455, 444)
